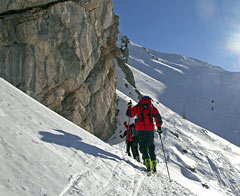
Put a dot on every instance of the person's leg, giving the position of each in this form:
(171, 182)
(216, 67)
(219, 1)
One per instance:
(128, 148)
(134, 148)
(151, 148)
(143, 143)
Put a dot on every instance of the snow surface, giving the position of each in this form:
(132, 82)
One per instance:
(196, 157)
(187, 85)
(43, 154)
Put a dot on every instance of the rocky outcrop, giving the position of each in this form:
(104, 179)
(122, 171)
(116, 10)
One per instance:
(62, 54)
(122, 62)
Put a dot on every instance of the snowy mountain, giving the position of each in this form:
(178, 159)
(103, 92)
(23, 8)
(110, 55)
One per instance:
(207, 95)
(43, 154)
(197, 158)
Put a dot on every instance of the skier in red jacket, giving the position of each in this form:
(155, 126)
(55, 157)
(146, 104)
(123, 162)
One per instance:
(131, 141)
(145, 113)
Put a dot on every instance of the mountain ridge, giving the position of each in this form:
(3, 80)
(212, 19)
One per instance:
(204, 92)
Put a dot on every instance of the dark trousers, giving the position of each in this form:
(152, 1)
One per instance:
(134, 148)
(146, 143)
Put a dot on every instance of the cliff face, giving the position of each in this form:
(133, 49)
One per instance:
(62, 54)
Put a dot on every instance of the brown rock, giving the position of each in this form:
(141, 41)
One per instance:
(62, 54)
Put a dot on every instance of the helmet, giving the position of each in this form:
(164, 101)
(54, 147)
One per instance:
(146, 97)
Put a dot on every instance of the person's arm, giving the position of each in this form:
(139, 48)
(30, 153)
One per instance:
(124, 134)
(158, 120)
(157, 117)
(131, 112)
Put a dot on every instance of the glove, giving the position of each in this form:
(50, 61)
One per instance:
(130, 103)
(159, 130)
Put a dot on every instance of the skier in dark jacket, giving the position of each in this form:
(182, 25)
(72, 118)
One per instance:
(131, 141)
(145, 113)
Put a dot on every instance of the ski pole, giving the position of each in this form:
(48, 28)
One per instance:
(127, 134)
(128, 126)
(165, 159)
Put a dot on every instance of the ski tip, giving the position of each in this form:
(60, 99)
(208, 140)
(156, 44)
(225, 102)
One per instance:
(149, 173)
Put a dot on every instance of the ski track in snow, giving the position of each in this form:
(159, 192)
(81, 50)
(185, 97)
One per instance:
(44, 154)
(121, 182)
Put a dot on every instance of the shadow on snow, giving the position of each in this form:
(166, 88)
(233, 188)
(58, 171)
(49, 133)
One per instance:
(72, 141)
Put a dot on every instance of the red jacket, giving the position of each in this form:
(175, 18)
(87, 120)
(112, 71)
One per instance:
(128, 132)
(145, 113)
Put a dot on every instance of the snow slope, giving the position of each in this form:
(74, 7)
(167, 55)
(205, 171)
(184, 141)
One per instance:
(196, 157)
(188, 86)
(43, 154)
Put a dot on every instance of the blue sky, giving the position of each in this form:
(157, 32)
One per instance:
(208, 30)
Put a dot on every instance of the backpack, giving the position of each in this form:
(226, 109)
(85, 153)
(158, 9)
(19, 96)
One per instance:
(129, 132)
(145, 107)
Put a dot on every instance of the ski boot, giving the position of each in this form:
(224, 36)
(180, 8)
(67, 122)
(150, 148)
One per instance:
(147, 163)
(137, 158)
(154, 166)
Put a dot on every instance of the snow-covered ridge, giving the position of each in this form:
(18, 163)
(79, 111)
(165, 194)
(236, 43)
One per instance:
(44, 154)
(208, 95)
(202, 161)
(41, 153)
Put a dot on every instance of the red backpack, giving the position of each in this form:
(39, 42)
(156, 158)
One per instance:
(146, 108)
(145, 113)
(129, 129)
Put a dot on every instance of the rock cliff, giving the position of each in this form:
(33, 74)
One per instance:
(62, 54)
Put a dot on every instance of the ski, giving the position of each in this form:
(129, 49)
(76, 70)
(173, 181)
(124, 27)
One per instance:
(144, 170)
(149, 173)
(156, 173)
